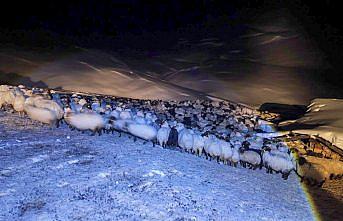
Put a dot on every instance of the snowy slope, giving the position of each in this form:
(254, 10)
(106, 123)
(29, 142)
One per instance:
(325, 118)
(58, 174)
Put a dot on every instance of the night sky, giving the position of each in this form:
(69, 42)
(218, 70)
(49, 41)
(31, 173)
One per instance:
(157, 19)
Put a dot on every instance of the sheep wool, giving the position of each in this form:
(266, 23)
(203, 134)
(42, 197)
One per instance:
(162, 136)
(41, 114)
(85, 121)
(143, 131)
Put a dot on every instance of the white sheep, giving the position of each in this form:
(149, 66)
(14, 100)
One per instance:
(208, 140)
(226, 152)
(274, 161)
(7, 97)
(163, 134)
(214, 149)
(19, 103)
(235, 155)
(143, 131)
(115, 114)
(250, 157)
(85, 121)
(198, 144)
(41, 114)
(125, 115)
(185, 140)
(40, 102)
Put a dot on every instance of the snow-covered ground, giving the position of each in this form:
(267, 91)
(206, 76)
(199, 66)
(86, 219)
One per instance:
(324, 118)
(58, 174)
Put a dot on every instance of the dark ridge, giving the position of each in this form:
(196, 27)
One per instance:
(17, 79)
(286, 111)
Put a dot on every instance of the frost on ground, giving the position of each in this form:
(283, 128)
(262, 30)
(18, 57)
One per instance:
(58, 174)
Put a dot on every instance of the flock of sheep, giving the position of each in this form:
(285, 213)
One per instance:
(219, 130)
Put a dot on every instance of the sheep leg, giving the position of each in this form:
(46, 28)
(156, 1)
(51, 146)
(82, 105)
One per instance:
(134, 139)
(285, 175)
(153, 143)
(57, 124)
(99, 132)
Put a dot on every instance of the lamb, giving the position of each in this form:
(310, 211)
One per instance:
(85, 121)
(43, 115)
(250, 157)
(163, 134)
(143, 131)
(198, 144)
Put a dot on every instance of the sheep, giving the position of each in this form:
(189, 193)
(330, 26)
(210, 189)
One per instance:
(140, 120)
(40, 102)
(313, 173)
(235, 155)
(198, 144)
(43, 115)
(121, 125)
(115, 114)
(334, 167)
(163, 135)
(19, 103)
(250, 157)
(185, 140)
(4, 88)
(225, 152)
(173, 137)
(125, 115)
(143, 131)
(214, 149)
(7, 97)
(207, 143)
(278, 163)
(85, 121)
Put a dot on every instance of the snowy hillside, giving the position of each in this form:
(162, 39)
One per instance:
(58, 174)
(324, 118)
